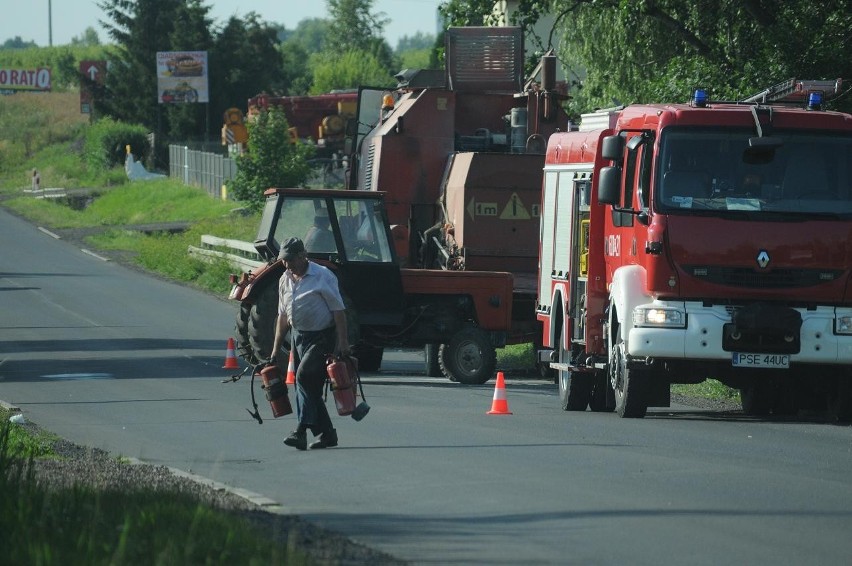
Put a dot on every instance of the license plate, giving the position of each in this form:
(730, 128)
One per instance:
(771, 361)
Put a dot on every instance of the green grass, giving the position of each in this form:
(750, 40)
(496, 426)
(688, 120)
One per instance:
(81, 525)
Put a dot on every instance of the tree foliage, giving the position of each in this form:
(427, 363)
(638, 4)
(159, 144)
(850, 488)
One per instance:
(242, 57)
(349, 71)
(659, 50)
(271, 160)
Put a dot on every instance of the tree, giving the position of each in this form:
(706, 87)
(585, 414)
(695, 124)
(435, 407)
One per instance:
(244, 62)
(353, 28)
(349, 71)
(88, 38)
(271, 160)
(659, 50)
(18, 43)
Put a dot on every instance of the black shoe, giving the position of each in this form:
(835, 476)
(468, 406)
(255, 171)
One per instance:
(297, 440)
(325, 440)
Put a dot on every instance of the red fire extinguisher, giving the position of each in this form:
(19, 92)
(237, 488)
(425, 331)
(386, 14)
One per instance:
(341, 372)
(276, 390)
(343, 375)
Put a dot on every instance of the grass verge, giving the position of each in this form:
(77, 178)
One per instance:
(80, 525)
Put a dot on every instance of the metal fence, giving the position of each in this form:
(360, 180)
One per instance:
(201, 168)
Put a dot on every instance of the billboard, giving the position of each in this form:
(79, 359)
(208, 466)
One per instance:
(25, 79)
(182, 77)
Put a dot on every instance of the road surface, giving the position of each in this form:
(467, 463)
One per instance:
(109, 358)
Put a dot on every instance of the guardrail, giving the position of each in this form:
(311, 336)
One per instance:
(239, 254)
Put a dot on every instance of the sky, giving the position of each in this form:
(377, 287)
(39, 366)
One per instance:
(30, 19)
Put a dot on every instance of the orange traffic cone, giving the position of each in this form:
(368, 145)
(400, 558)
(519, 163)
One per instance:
(231, 357)
(499, 406)
(291, 370)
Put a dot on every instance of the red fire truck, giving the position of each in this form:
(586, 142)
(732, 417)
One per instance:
(683, 242)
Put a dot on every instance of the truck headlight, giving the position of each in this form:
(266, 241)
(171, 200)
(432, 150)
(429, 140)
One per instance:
(843, 324)
(659, 316)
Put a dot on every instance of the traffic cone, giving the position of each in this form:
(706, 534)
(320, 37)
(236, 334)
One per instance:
(291, 369)
(499, 406)
(231, 357)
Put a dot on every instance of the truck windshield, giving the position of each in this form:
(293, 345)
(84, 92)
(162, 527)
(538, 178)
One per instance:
(710, 169)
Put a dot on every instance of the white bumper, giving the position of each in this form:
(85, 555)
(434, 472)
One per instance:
(702, 337)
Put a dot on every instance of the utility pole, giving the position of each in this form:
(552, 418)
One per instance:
(50, 22)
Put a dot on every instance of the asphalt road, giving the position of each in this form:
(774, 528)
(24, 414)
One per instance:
(109, 358)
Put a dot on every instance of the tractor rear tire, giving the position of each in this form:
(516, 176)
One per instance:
(241, 333)
(469, 358)
(261, 321)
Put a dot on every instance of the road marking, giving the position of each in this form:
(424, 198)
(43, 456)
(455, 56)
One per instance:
(77, 376)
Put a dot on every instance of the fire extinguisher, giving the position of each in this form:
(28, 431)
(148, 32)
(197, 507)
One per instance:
(276, 390)
(343, 376)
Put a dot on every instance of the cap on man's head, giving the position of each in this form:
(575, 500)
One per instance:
(291, 249)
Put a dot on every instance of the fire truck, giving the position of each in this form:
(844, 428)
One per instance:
(705, 240)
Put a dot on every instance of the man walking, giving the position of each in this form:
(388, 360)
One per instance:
(311, 307)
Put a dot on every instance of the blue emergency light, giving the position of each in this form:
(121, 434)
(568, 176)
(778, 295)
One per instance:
(699, 99)
(815, 100)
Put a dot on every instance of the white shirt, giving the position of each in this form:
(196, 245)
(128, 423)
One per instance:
(310, 301)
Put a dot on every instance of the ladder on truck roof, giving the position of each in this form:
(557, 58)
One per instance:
(795, 90)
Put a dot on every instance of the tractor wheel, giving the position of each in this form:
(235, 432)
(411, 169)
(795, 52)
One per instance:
(261, 321)
(433, 365)
(241, 333)
(469, 358)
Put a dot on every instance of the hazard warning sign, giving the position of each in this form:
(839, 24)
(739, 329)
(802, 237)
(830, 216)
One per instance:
(515, 209)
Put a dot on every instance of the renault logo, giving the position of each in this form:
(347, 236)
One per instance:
(763, 259)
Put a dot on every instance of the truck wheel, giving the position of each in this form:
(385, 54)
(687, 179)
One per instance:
(629, 384)
(575, 388)
(433, 366)
(261, 321)
(241, 334)
(756, 399)
(469, 358)
(599, 401)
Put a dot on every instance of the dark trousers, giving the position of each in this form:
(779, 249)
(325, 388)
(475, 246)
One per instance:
(311, 349)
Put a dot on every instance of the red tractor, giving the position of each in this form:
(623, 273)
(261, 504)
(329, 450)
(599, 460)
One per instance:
(387, 305)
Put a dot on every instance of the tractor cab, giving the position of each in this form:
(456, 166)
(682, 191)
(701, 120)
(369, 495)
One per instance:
(346, 231)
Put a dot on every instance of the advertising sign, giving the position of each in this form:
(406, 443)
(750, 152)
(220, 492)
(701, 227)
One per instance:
(91, 73)
(182, 77)
(25, 79)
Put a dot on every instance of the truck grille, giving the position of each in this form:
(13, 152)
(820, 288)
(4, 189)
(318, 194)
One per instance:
(775, 279)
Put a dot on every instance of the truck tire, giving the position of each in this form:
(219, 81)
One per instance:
(629, 384)
(756, 399)
(575, 388)
(601, 398)
(469, 358)
(261, 321)
(432, 365)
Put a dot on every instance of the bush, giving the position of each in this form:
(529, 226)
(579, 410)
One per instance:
(106, 140)
(271, 160)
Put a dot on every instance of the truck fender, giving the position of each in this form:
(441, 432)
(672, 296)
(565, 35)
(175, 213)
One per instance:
(627, 291)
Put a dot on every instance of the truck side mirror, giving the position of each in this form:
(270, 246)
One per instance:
(609, 186)
(612, 147)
